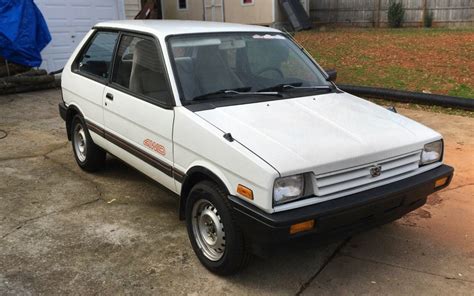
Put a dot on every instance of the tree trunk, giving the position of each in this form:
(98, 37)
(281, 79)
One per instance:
(14, 69)
(26, 88)
(27, 81)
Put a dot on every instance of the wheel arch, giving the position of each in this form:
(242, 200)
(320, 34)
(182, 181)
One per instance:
(193, 176)
(71, 111)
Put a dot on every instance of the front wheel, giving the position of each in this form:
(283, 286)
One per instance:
(215, 238)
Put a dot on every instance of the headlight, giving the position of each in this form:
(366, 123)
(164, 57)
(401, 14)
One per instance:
(432, 152)
(288, 188)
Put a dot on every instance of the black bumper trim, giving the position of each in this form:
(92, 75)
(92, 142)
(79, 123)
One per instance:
(343, 215)
(62, 110)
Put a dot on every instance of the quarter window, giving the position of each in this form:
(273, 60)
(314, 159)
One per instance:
(97, 59)
(139, 68)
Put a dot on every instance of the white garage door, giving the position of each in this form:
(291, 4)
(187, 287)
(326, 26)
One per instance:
(69, 21)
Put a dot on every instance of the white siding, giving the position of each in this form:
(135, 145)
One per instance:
(132, 8)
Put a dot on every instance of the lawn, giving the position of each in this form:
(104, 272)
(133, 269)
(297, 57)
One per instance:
(438, 61)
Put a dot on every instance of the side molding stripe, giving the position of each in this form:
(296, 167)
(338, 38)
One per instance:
(146, 157)
(178, 175)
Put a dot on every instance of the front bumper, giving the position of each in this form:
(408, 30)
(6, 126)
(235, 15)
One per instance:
(342, 216)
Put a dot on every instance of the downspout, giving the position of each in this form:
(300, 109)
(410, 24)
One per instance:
(273, 12)
(223, 11)
(162, 9)
(204, 10)
(121, 9)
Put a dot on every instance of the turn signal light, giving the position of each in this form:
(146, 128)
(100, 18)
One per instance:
(441, 182)
(245, 192)
(302, 226)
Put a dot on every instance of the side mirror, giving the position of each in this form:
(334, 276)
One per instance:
(332, 75)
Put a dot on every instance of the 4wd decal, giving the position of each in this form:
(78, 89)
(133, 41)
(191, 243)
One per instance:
(155, 146)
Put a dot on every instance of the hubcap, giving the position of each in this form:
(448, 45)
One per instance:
(80, 143)
(208, 230)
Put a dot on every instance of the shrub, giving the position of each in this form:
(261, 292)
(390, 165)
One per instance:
(396, 12)
(427, 18)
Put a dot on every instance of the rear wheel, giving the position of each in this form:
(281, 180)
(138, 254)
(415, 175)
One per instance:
(215, 238)
(89, 156)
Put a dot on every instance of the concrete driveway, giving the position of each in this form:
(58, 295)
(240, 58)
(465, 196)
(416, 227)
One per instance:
(64, 231)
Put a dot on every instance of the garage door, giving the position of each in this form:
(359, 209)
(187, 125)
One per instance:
(69, 21)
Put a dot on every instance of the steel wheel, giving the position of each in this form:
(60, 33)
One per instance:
(208, 230)
(80, 142)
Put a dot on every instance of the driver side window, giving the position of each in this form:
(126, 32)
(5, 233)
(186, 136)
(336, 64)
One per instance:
(139, 68)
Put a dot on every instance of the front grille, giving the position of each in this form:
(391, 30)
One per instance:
(351, 178)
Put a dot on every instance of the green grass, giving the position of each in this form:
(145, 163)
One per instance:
(425, 60)
(462, 91)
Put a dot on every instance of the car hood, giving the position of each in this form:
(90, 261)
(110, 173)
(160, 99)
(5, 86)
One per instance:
(320, 133)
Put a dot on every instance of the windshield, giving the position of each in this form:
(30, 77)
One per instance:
(210, 65)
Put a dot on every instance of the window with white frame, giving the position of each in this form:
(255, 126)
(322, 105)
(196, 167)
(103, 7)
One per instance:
(182, 4)
(247, 2)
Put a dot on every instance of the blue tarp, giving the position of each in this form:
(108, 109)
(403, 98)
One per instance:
(23, 32)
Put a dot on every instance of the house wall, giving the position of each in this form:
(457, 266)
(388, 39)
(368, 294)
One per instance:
(366, 13)
(261, 12)
(193, 12)
(132, 8)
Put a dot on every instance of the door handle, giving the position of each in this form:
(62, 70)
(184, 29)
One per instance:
(109, 96)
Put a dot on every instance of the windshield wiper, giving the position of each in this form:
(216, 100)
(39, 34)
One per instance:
(281, 86)
(234, 92)
(294, 86)
(220, 92)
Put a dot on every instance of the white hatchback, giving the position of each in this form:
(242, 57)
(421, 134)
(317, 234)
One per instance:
(247, 130)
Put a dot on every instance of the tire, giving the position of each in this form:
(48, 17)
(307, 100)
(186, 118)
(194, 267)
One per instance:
(88, 155)
(223, 251)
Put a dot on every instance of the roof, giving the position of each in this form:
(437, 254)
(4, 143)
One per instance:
(163, 28)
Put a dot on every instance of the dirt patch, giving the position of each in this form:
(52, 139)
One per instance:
(434, 199)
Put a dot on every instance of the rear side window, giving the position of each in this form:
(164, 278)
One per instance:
(96, 60)
(140, 69)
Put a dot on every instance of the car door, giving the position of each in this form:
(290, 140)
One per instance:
(91, 70)
(138, 109)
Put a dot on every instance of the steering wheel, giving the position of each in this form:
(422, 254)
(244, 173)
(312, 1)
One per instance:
(267, 69)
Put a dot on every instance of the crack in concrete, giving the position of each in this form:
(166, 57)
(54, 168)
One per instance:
(406, 268)
(56, 148)
(65, 145)
(25, 222)
(306, 284)
(80, 176)
(3, 134)
(6, 101)
(64, 167)
(457, 187)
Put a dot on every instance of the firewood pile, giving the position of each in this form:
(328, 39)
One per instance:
(16, 78)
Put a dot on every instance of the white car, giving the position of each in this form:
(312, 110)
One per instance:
(247, 130)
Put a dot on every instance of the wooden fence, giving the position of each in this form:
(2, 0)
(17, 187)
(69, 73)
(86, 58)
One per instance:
(373, 13)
